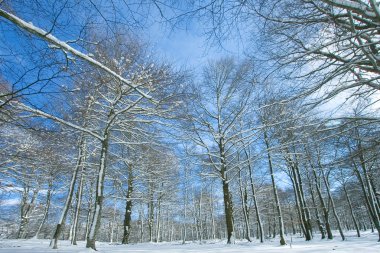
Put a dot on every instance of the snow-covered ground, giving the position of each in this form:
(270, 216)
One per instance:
(366, 244)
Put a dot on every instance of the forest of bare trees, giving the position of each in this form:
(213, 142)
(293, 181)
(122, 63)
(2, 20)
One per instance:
(104, 140)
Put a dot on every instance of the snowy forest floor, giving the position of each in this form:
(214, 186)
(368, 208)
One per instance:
(367, 243)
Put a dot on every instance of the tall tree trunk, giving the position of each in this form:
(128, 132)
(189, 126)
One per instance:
(351, 211)
(141, 218)
(244, 207)
(277, 201)
(184, 209)
(298, 206)
(370, 208)
(319, 222)
(128, 207)
(227, 198)
(292, 221)
(66, 207)
(112, 225)
(151, 210)
(47, 207)
(212, 216)
(299, 195)
(199, 217)
(256, 205)
(158, 219)
(95, 224)
(78, 208)
(89, 211)
(228, 210)
(333, 205)
(323, 204)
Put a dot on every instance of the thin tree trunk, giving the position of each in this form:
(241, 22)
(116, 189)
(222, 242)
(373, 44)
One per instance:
(25, 211)
(158, 219)
(351, 211)
(151, 211)
(113, 220)
(277, 201)
(78, 208)
(298, 191)
(47, 207)
(257, 210)
(244, 206)
(323, 204)
(319, 222)
(62, 220)
(333, 206)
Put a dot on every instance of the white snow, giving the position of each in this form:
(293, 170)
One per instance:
(366, 244)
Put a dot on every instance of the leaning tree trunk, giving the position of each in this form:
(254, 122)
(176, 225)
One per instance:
(257, 211)
(299, 195)
(323, 204)
(253, 190)
(298, 206)
(78, 208)
(319, 222)
(333, 205)
(303, 202)
(47, 207)
(95, 224)
(62, 220)
(277, 201)
(351, 211)
(128, 208)
(370, 208)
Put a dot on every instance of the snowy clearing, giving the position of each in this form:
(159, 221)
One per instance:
(367, 243)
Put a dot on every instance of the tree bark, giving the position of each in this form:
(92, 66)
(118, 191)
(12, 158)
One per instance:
(333, 206)
(277, 201)
(253, 190)
(128, 207)
(351, 211)
(78, 208)
(244, 207)
(95, 224)
(67, 205)
(47, 207)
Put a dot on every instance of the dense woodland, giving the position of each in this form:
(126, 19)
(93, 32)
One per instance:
(103, 140)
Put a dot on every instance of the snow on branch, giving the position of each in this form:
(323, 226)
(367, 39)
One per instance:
(40, 113)
(64, 46)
